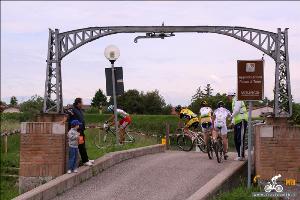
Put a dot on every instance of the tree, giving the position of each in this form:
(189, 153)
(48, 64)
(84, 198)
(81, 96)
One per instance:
(208, 90)
(296, 113)
(153, 102)
(33, 106)
(135, 102)
(166, 110)
(212, 102)
(99, 99)
(199, 94)
(13, 101)
(131, 101)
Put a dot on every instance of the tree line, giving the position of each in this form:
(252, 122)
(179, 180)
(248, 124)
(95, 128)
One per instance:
(150, 102)
(135, 102)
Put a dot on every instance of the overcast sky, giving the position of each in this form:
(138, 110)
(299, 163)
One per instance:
(175, 66)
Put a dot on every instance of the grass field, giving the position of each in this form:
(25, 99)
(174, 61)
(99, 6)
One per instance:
(148, 124)
(9, 166)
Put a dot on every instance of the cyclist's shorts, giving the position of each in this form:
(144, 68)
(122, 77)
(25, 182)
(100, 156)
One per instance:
(194, 122)
(206, 126)
(125, 122)
(221, 127)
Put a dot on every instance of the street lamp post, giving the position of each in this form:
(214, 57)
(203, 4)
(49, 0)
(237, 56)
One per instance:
(112, 53)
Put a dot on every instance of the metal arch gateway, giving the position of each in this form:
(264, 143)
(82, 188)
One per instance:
(273, 44)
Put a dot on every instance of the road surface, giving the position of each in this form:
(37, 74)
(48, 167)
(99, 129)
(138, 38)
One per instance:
(172, 175)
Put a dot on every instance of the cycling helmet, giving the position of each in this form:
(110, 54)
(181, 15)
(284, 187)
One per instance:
(178, 108)
(220, 104)
(110, 108)
(204, 103)
(231, 93)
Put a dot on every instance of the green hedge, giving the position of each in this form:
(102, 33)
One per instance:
(154, 124)
(20, 117)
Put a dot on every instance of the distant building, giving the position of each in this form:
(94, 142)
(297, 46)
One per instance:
(12, 110)
(86, 107)
(173, 112)
(3, 106)
(257, 112)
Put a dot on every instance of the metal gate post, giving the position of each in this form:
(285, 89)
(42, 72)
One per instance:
(277, 63)
(287, 65)
(59, 102)
(282, 93)
(53, 83)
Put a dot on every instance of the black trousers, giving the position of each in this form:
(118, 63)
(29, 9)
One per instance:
(239, 137)
(82, 150)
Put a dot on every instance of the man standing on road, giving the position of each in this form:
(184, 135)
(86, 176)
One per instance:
(239, 120)
(75, 113)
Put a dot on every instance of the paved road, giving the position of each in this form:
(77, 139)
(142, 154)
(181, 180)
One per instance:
(173, 175)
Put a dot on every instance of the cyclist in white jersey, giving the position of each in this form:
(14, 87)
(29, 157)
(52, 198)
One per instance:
(220, 118)
(124, 120)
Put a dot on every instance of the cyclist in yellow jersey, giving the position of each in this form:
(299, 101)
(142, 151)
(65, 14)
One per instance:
(206, 120)
(190, 118)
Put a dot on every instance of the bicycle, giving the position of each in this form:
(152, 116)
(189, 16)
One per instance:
(110, 136)
(216, 147)
(188, 139)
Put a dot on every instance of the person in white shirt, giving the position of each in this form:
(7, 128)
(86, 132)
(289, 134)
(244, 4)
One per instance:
(219, 121)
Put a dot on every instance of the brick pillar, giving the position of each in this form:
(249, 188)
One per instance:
(42, 151)
(277, 150)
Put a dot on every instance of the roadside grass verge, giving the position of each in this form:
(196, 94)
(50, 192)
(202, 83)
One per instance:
(9, 166)
(241, 193)
(11, 158)
(8, 188)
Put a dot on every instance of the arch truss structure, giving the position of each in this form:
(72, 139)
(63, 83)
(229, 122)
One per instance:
(274, 44)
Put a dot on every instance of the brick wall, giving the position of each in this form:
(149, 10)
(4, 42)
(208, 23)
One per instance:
(43, 148)
(277, 150)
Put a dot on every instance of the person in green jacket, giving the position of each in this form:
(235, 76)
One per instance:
(239, 120)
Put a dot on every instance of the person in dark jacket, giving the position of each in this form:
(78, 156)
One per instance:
(75, 113)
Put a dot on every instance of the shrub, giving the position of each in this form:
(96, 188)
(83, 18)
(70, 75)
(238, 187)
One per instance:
(20, 117)
(92, 110)
(33, 106)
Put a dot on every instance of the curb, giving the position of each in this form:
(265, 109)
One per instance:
(67, 181)
(223, 181)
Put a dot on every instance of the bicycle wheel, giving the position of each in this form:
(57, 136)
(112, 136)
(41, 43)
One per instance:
(129, 138)
(184, 142)
(219, 150)
(210, 149)
(104, 139)
(201, 144)
(98, 140)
